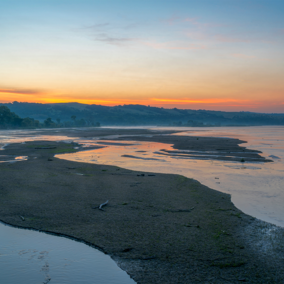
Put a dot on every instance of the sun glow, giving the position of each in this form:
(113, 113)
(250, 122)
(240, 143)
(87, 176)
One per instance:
(202, 101)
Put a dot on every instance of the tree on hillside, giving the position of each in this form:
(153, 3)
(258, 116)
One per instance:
(8, 118)
(91, 121)
(49, 123)
(81, 122)
(30, 123)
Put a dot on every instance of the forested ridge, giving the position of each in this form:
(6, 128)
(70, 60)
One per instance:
(82, 115)
(10, 120)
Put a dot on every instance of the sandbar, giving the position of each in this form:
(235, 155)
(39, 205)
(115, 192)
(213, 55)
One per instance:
(159, 228)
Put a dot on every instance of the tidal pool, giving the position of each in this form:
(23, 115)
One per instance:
(28, 256)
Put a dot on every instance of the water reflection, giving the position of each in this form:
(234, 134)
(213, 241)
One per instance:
(256, 188)
(22, 136)
(12, 159)
(32, 257)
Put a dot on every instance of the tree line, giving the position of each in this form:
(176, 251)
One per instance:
(10, 120)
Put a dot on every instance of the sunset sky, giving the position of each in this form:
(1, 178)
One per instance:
(206, 54)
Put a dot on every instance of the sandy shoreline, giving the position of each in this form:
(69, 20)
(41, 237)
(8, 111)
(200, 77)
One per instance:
(159, 228)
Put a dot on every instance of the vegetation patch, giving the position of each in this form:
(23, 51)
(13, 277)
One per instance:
(63, 150)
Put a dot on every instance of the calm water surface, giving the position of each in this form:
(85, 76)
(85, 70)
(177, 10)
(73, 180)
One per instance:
(33, 257)
(28, 256)
(256, 188)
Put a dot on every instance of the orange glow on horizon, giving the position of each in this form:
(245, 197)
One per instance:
(203, 101)
(151, 101)
(222, 104)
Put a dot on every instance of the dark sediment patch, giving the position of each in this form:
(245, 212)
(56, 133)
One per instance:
(100, 132)
(221, 156)
(140, 158)
(227, 149)
(160, 228)
(114, 143)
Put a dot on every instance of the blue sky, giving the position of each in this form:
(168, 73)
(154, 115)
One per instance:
(218, 54)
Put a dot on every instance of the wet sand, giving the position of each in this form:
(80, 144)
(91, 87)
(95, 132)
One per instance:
(160, 228)
(197, 147)
(224, 149)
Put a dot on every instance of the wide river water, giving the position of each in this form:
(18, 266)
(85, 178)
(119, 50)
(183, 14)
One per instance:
(256, 188)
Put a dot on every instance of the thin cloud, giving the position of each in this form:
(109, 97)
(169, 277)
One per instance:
(228, 39)
(172, 20)
(203, 31)
(174, 45)
(199, 24)
(205, 36)
(97, 26)
(192, 21)
(103, 37)
(131, 26)
(109, 26)
(20, 91)
(103, 32)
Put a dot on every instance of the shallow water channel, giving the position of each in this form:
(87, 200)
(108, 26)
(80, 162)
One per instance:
(28, 256)
(256, 188)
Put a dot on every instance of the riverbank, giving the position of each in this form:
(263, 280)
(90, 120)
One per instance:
(197, 147)
(159, 228)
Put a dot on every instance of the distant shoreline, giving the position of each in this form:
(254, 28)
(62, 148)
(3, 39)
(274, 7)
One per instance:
(160, 228)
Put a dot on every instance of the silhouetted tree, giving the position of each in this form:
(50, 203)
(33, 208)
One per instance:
(8, 118)
(49, 123)
(81, 123)
(30, 123)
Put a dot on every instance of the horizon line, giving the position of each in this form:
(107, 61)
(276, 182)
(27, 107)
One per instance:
(161, 107)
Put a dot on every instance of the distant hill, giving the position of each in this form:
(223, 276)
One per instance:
(130, 115)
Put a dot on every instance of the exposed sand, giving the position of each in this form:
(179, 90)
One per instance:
(159, 228)
(204, 147)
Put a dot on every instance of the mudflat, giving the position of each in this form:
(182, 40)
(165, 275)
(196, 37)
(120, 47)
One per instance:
(159, 228)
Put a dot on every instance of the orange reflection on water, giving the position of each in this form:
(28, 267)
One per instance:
(115, 155)
(256, 188)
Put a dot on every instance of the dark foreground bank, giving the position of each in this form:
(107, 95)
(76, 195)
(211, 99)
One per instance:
(159, 228)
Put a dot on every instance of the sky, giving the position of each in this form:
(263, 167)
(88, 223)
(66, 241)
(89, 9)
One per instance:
(206, 54)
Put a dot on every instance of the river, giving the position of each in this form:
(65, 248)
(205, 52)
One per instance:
(256, 188)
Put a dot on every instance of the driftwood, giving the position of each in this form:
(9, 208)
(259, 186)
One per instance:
(100, 207)
(103, 204)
